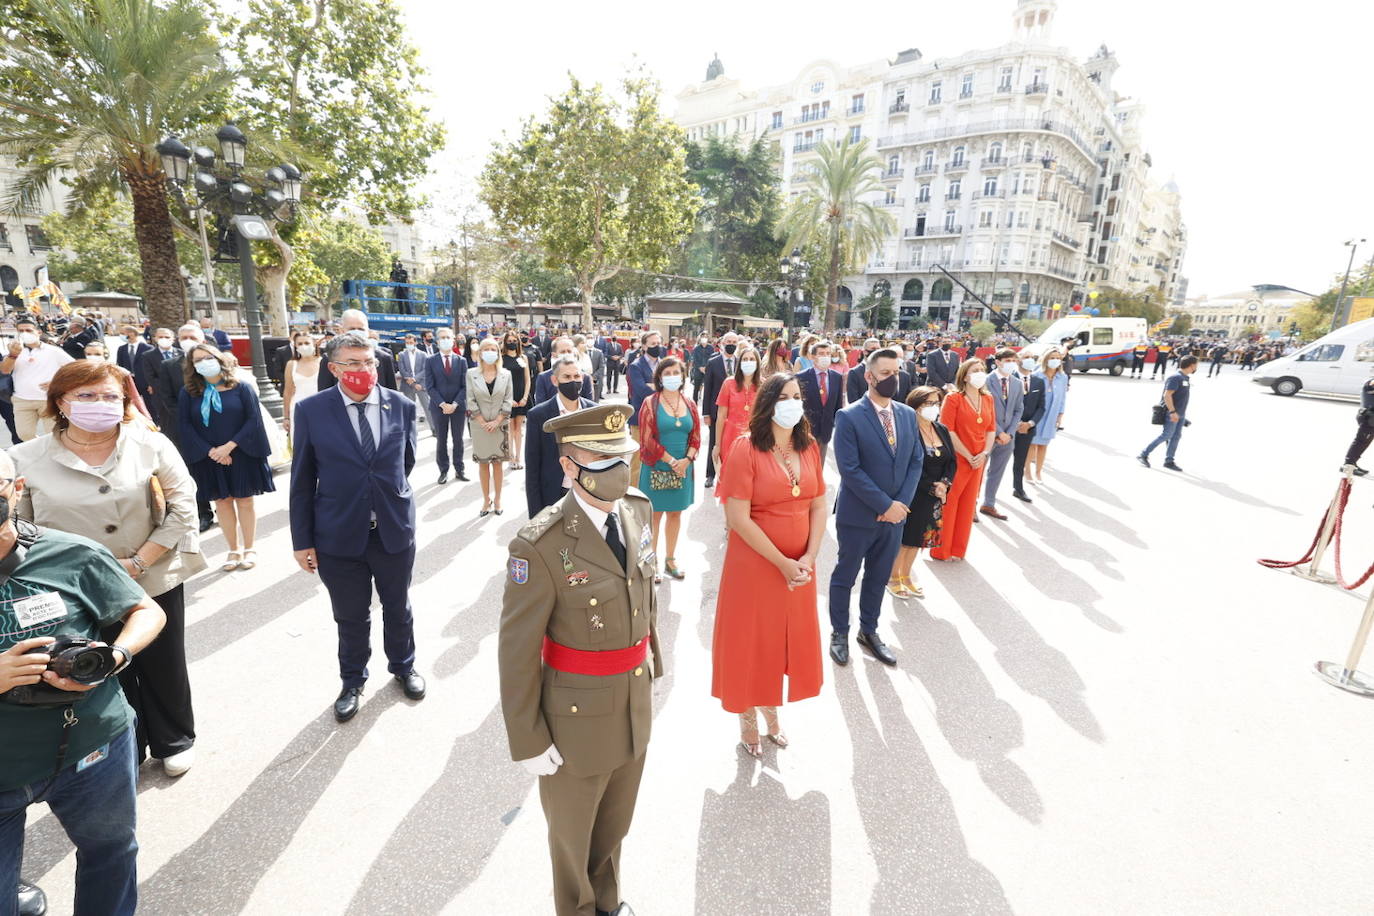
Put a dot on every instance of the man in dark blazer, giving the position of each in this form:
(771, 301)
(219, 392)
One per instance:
(854, 385)
(720, 367)
(1008, 396)
(941, 366)
(127, 356)
(169, 378)
(413, 365)
(639, 379)
(353, 513)
(145, 372)
(877, 449)
(544, 341)
(544, 387)
(79, 333)
(214, 334)
(1032, 412)
(615, 364)
(355, 320)
(545, 482)
(446, 375)
(822, 391)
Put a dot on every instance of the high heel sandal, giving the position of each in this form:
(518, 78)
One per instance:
(749, 729)
(232, 561)
(770, 718)
(897, 588)
(486, 509)
(670, 567)
(911, 586)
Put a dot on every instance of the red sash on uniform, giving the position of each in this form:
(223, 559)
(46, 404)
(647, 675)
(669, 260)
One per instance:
(581, 661)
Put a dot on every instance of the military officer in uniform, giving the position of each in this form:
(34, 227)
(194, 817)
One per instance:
(578, 647)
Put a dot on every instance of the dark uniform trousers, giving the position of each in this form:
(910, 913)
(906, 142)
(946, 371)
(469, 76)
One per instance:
(448, 426)
(349, 581)
(1020, 451)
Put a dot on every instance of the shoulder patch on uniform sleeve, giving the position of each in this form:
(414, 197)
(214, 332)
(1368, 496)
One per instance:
(519, 570)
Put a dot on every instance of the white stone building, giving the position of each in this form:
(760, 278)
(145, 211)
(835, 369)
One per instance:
(1265, 310)
(1018, 168)
(23, 246)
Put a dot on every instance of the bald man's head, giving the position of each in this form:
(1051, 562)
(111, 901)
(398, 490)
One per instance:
(353, 320)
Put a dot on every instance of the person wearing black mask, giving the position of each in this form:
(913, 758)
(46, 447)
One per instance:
(718, 369)
(514, 361)
(545, 482)
(701, 357)
(854, 384)
(640, 378)
(941, 366)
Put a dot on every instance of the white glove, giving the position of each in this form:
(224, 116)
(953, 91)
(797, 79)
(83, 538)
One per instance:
(546, 764)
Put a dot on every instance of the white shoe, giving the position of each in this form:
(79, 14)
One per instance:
(178, 764)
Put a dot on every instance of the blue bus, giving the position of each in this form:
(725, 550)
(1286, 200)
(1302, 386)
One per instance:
(397, 309)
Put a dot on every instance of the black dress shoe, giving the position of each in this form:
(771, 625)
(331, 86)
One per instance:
(461, 476)
(1358, 471)
(710, 482)
(206, 523)
(32, 900)
(443, 477)
(346, 706)
(1143, 460)
(839, 648)
(622, 910)
(1021, 495)
(412, 684)
(1171, 466)
(879, 649)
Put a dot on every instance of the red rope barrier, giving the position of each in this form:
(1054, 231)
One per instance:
(1342, 498)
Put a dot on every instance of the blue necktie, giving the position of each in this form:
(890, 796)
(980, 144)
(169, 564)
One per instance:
(365, 432)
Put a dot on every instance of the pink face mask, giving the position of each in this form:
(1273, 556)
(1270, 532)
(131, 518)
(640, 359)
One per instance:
(95, 418)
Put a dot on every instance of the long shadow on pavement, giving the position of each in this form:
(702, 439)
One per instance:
(979, 725)
(1048, 576)
(913, 830)
(219, 872)
(759, 851)
(1093, 520)
(1091, 490)
(1227, 491)
(1066, 541)
(1037, 667)
(239, 619)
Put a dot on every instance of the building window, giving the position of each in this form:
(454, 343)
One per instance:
(985, 218)
(995, 152)
(923, 194)
(856, 104)
(854, 134)
(935, 92)
(990, 187)
(1027, 152)
(954, 189)
(949, 222)
(891, 196)
(958, 156)
(817, 87)
(966, 86)
(5, 242)
(37, 240)
(894, 162)
(777, 120)
(928, 160)
(1004, 80)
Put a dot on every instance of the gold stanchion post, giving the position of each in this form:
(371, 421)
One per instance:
(1349, 676)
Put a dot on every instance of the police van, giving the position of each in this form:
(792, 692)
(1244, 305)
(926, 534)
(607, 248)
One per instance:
(1337, 364)
(1099, 343)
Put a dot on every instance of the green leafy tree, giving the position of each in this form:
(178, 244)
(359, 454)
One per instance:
(736, 228)
(338, 83)
(832, 211)
(92, 100)
(339, 250)
(982, 331)
(1148, 305)
(599, 182)
(1183, 323)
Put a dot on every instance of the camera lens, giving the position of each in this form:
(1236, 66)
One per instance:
(87, 666)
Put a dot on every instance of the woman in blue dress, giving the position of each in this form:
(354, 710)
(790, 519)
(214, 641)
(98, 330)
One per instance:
(669, 440)
(1056, 393)
(225, 445)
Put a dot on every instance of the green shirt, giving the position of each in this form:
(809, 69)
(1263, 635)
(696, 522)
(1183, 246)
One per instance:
(95, 592)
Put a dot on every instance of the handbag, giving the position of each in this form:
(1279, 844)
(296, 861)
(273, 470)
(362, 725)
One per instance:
(1159, 414)
(664, 480)
(157, 501)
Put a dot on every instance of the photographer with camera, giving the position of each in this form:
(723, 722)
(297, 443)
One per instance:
(66, 732)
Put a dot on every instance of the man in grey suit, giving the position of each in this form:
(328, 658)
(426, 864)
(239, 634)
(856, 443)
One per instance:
(941, 365)
(1007, 396)
(598, 359)
(413, 366)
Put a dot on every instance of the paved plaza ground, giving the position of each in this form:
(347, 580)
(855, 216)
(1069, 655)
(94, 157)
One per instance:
(1108, 709)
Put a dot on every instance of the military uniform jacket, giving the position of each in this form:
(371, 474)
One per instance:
(563, 581)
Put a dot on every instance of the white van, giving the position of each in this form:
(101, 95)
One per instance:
(1102, 343)
(1338, 363)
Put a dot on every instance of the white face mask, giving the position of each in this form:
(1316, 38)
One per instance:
(164, 343)
(748, 367)
(208, 367)
(931, 412)
(788, 413)
(977, 379)
(1028, 365)
(95, 358)
(28, 338)
(672, 382)
(490, 356)
(306, 350)
(1006, 368)
(1054, 363)
(822, 362)
(446, 344)
(410, 346)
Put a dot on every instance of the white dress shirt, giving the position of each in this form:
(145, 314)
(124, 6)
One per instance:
(598, 516)
(373, 413)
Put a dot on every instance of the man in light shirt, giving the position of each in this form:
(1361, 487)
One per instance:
(32, 363)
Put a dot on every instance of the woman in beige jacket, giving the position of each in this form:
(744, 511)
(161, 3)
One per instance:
(490, 389)
(104, 474)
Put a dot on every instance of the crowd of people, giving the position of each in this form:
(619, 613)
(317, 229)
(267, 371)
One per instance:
(142, 453)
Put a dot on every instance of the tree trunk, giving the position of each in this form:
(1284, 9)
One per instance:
(832, 287)
(164, 291)
(272, 279)
(586, 305)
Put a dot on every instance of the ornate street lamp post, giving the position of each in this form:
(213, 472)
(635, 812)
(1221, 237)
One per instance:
(794, 270)
(221, 187)
(531, 295)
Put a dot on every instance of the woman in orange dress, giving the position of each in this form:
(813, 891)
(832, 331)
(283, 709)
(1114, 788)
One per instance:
(969, 416)
(735, 401)
(766, 623)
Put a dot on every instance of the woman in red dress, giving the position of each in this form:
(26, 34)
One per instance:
(735, 401)
(766, 624)
(969, 416)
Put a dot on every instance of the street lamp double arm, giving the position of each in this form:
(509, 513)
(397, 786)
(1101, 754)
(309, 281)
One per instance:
(248, 212)
(794, 270)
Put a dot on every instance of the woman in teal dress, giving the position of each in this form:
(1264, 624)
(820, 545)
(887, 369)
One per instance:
(669, 440)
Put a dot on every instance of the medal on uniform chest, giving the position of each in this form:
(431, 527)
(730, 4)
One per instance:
(596, 622)
(578, 578)
(567, 560)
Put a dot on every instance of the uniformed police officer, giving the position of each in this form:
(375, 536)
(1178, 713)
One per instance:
(578, 648)
(1365, 434)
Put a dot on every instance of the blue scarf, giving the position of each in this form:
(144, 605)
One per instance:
(210, 402)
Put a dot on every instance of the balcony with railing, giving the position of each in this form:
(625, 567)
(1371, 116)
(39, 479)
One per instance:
(894, 202)
(1004, 125)
(810, 116)
(965, 94)
(802, 176)
(1037, 89)
(953, 195)
(805, 146)
(893, 174)
(1063, 239)
(956, 165)
(899, 108)
(928, 230)
(854, 110)
(999, 194)
(994, 162)
(1061, 272)
(1048, 195)
(1003, 88)
(926, 169)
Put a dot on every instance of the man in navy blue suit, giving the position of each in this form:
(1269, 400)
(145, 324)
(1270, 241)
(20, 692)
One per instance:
(544, 387)
(718, 368)
(446, 381)
(876, 450)
(545, 482)
(127, 357)
(822, 391)
(353, 513)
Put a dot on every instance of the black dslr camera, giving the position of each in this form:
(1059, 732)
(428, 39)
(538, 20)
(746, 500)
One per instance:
(74, 657)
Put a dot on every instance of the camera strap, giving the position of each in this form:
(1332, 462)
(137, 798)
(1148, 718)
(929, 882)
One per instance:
(25, 536)
(69, 720)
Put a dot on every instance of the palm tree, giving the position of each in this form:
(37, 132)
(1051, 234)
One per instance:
(90, 103)
(832, 215)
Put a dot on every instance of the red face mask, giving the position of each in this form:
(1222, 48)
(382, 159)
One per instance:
(360, 382)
